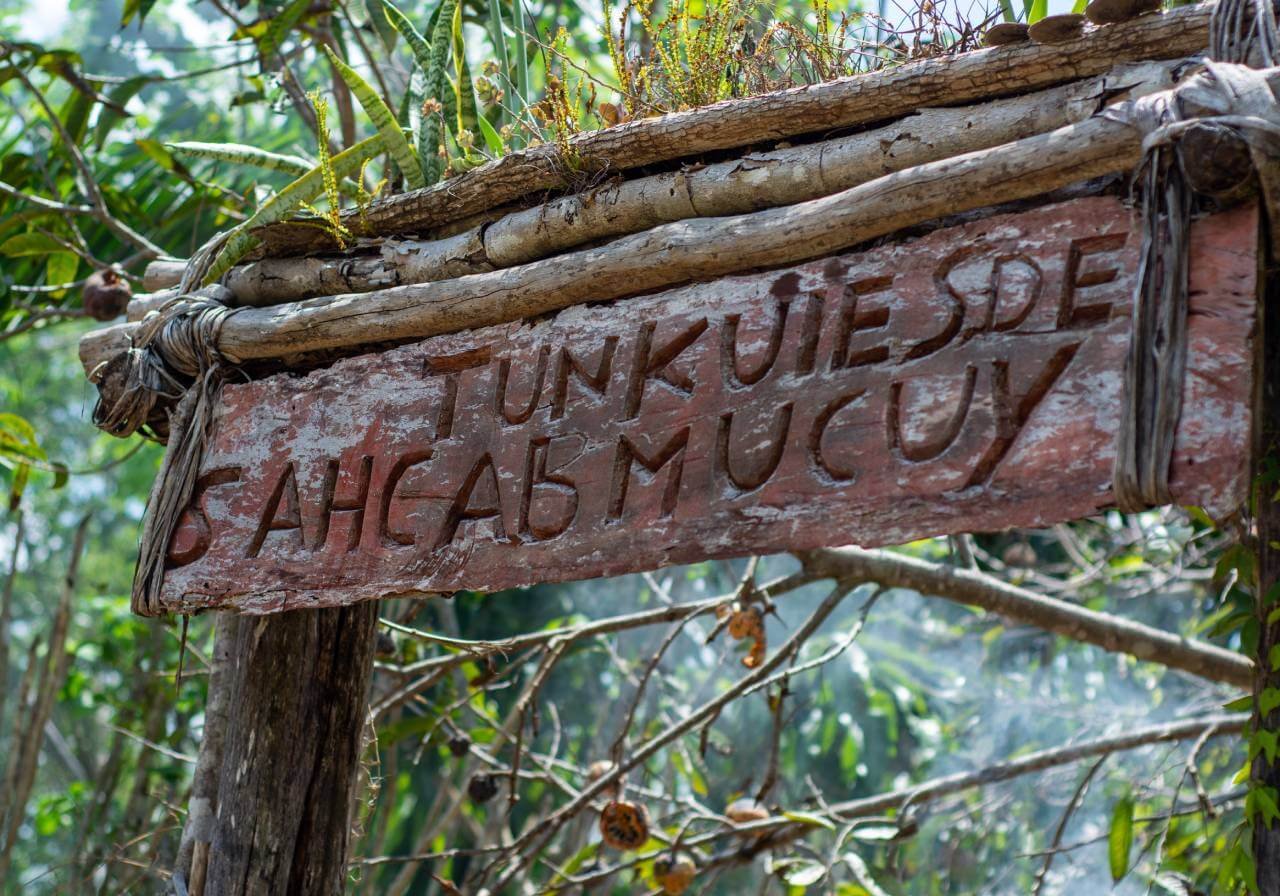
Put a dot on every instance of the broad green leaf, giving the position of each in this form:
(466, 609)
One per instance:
(138, 8)
(59, 268)
(492, 139)
(497, 34)
(1039, 9)
(437, 86)
(1079, 7)
(466, 90)
(386, 33)
(293, 197)
(280, 26)
(418, 44)
(809, 818)
(393, 139)
(21, 476)
(109, 117)
(1120, 838)
(30, 244)
(240, 154)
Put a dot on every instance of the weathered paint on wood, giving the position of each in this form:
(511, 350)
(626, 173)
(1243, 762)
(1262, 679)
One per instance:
(965, 381)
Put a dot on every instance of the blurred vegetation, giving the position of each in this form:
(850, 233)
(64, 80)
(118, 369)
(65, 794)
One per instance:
(93, 105)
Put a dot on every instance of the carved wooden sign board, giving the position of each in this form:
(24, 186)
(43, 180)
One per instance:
(969, 380)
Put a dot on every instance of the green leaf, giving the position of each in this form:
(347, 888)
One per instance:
(138, 8)
(1268, 700)
(438, 87)
(21, 476)
(464, 87)
(386, 33)
(280, 26)
(240, 154)
(393, 139)
(809, 818)
(60, 267)
(1039, 9)
(497, 34)
(109, 117)
(1120, 838)
(418, 44)
(1079, 7)
(1240, 704)
(24, 244)
(492, 139)
(287, 201)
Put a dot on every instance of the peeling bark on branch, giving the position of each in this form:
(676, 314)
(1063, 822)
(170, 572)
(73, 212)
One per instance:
(966, 586)
(738, 186)
(820, 108)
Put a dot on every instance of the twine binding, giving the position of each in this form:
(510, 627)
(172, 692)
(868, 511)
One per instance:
(1229, 95)
(174, 357)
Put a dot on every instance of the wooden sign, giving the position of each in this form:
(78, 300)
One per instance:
(966, 381)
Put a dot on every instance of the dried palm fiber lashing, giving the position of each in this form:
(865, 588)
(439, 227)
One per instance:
(1231, 96)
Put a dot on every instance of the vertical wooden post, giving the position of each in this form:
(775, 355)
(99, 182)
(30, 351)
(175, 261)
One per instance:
(298, 686)
(1266, 772)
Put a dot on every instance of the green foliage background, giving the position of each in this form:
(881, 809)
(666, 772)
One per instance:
(929, 688)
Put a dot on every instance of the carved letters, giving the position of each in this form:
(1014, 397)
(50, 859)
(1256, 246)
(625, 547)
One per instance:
(968, 380)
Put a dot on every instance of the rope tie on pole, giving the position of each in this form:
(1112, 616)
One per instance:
(174, 358)
(1227, 95)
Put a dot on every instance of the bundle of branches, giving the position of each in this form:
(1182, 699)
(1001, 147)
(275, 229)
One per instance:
(660, 201)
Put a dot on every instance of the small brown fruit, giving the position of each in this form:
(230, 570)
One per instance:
(1112, 12)
(745, 623)
(105, 295)
(1005, 34)
(624, 825)
(385, 645)
(1019, 554)
(482, 788)
(1057, 29)
(459, 744)
(675, 875)
(745, 811)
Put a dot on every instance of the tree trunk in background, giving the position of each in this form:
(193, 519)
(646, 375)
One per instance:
(297, 688)
(1266, 837)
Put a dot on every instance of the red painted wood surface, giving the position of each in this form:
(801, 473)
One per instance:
(965, 381)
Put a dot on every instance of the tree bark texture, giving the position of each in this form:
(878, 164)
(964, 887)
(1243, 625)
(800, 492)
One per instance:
(1266, 773)
(298, 685)
(820, 108)
(737, 186)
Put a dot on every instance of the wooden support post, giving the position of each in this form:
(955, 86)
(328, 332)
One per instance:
(298, 686)
(1266, 772)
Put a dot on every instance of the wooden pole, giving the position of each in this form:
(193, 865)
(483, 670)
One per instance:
(298, 684)
(1266, 770)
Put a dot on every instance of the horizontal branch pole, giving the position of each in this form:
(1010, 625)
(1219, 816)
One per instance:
(947, 785)
(699, 249)
(820, 108)
(737, 186)
(1112, 633)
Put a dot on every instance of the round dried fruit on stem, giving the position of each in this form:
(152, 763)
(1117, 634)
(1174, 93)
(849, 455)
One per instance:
(105, 295)
(745, 623)
(482, 787)
(675, 874)
(1057, 29)
(745, 811)
(1006, 34)
(624, 825)
(1112, 12)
